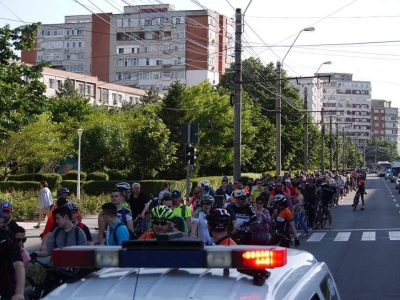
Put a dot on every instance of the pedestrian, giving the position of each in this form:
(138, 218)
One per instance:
(261, 230)
(45, 201)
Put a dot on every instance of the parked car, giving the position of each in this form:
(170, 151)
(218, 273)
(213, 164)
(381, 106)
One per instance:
(397, 181)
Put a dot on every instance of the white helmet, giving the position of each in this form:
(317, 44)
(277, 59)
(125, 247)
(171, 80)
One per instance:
(240, 194)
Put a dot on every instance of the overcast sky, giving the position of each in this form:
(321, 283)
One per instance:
(373, 24)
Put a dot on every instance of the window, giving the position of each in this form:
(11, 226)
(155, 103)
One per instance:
(51, 83)
(119, 22)
(376, 125)
(159, 62)
(59, 83)
(81, 89)
(147, 61)
(120, 98)
(114, 98)
(89, 90)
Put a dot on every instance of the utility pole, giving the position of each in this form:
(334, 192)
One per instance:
(238, 96)
(322, 141)
(305, 131)
(278, 108)
(337, 147)
(344, 150)
(330, 143)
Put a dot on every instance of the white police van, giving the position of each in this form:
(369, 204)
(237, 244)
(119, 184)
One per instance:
(185, 269)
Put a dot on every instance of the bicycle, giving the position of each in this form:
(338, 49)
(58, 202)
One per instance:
(356, 199)
(37, 289)
(282, 239)
(321, 216)
(304, 215)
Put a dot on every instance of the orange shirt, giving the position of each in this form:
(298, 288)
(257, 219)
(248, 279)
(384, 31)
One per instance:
(227, 242)
(285, 215)
(147, 235)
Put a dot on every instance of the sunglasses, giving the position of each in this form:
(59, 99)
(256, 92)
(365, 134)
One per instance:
(162, 223)
(242, 198)
(21, 240)
(207, 203)
(260, 202)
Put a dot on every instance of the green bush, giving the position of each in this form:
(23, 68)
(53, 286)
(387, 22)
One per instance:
(120, 175)
(20, 186)
(91, 205)
(25, 205)
(53, 179)
(97, 176)
(73, 175)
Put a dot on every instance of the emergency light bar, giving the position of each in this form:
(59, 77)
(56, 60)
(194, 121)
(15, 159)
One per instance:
(240, 257)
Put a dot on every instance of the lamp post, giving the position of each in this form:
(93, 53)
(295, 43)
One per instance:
(278, 107)
(324, 63)
(78, 187)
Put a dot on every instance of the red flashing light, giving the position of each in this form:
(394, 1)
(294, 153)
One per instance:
(82, 257)
(272, 258)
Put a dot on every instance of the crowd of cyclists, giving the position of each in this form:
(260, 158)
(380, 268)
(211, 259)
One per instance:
(265, 211)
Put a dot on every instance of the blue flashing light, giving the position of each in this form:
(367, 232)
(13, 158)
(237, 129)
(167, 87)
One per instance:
(145, 258)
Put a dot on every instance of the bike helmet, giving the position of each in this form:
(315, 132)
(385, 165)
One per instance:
(360, 175)
(240, 194)
(162, 213)
(218, 219)
(123, 186)
(63, 191)
(72, 206)
(288, 181)
(207, 198)
(279, 199)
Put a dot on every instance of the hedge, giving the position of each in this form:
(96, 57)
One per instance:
(53, 179)
(121, 175)
(73, 175)
(97, 176)
(11, 186)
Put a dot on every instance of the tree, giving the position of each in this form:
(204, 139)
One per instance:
(149, 145)
(22, 96)
(34, 145)
(72, 109)
(67, 89)
(151, 96)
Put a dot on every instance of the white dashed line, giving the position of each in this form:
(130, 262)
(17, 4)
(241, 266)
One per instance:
(368, 236)
(342, 237)
(316, 237)
(394, 235)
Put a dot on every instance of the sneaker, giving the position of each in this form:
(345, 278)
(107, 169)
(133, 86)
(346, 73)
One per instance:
(362, 208)
(328, 227)
(305, 235)
(352, 205)
(36, 227)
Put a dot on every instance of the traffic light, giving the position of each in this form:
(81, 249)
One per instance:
(190, 155)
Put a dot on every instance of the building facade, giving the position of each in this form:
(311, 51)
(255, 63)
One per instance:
(348, 104)
(385, 121)
(146, 45)
(99, 92)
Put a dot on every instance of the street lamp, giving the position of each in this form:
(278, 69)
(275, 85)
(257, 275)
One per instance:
(78, 187)
(278, 107)
(324, 63)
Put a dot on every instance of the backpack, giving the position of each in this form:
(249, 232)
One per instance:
(123, 215)
(132, 235)
(57, 232)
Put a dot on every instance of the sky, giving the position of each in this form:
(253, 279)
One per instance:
(361, 37)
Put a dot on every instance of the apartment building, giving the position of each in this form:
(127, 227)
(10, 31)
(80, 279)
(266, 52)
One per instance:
(146, 45)
(348, 104)
(385, 121)
(99, 92)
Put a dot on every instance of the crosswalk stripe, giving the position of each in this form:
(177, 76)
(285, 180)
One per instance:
(316, 237)
(368, 236)
(342, 237)
(394, 235)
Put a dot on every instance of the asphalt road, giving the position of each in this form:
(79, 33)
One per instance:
(362, 247)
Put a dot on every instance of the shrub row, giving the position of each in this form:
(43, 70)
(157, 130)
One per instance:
(53, 179)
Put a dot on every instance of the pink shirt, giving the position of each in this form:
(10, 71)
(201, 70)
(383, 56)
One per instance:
(25, 255)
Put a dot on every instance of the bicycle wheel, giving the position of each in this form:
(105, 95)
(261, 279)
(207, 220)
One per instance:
(356, 200)
(324, 219)
(317, 220)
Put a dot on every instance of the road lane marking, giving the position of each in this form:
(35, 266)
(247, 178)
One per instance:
(397, 205)
(394, 235)
(368, 236)
(342, 237)
(316, 237)
(392, 196)
(394, 200)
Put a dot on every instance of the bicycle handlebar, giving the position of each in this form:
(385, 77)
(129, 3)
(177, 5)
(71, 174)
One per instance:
(64, 271)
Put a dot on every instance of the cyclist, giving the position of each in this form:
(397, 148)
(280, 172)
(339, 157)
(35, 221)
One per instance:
(181, 210)
(12, 273)
(74, 209)
(7, 209)
(20, 235)
(310, 199)
(161, 222)
(283, 224)
(278, 190)
(292, 192)
(328, 194)
(361, 189)
(117, 231)
(51, 221)
(199, 227)
(245, 217)
(178, 221)
(218, 221)
(123, 214)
